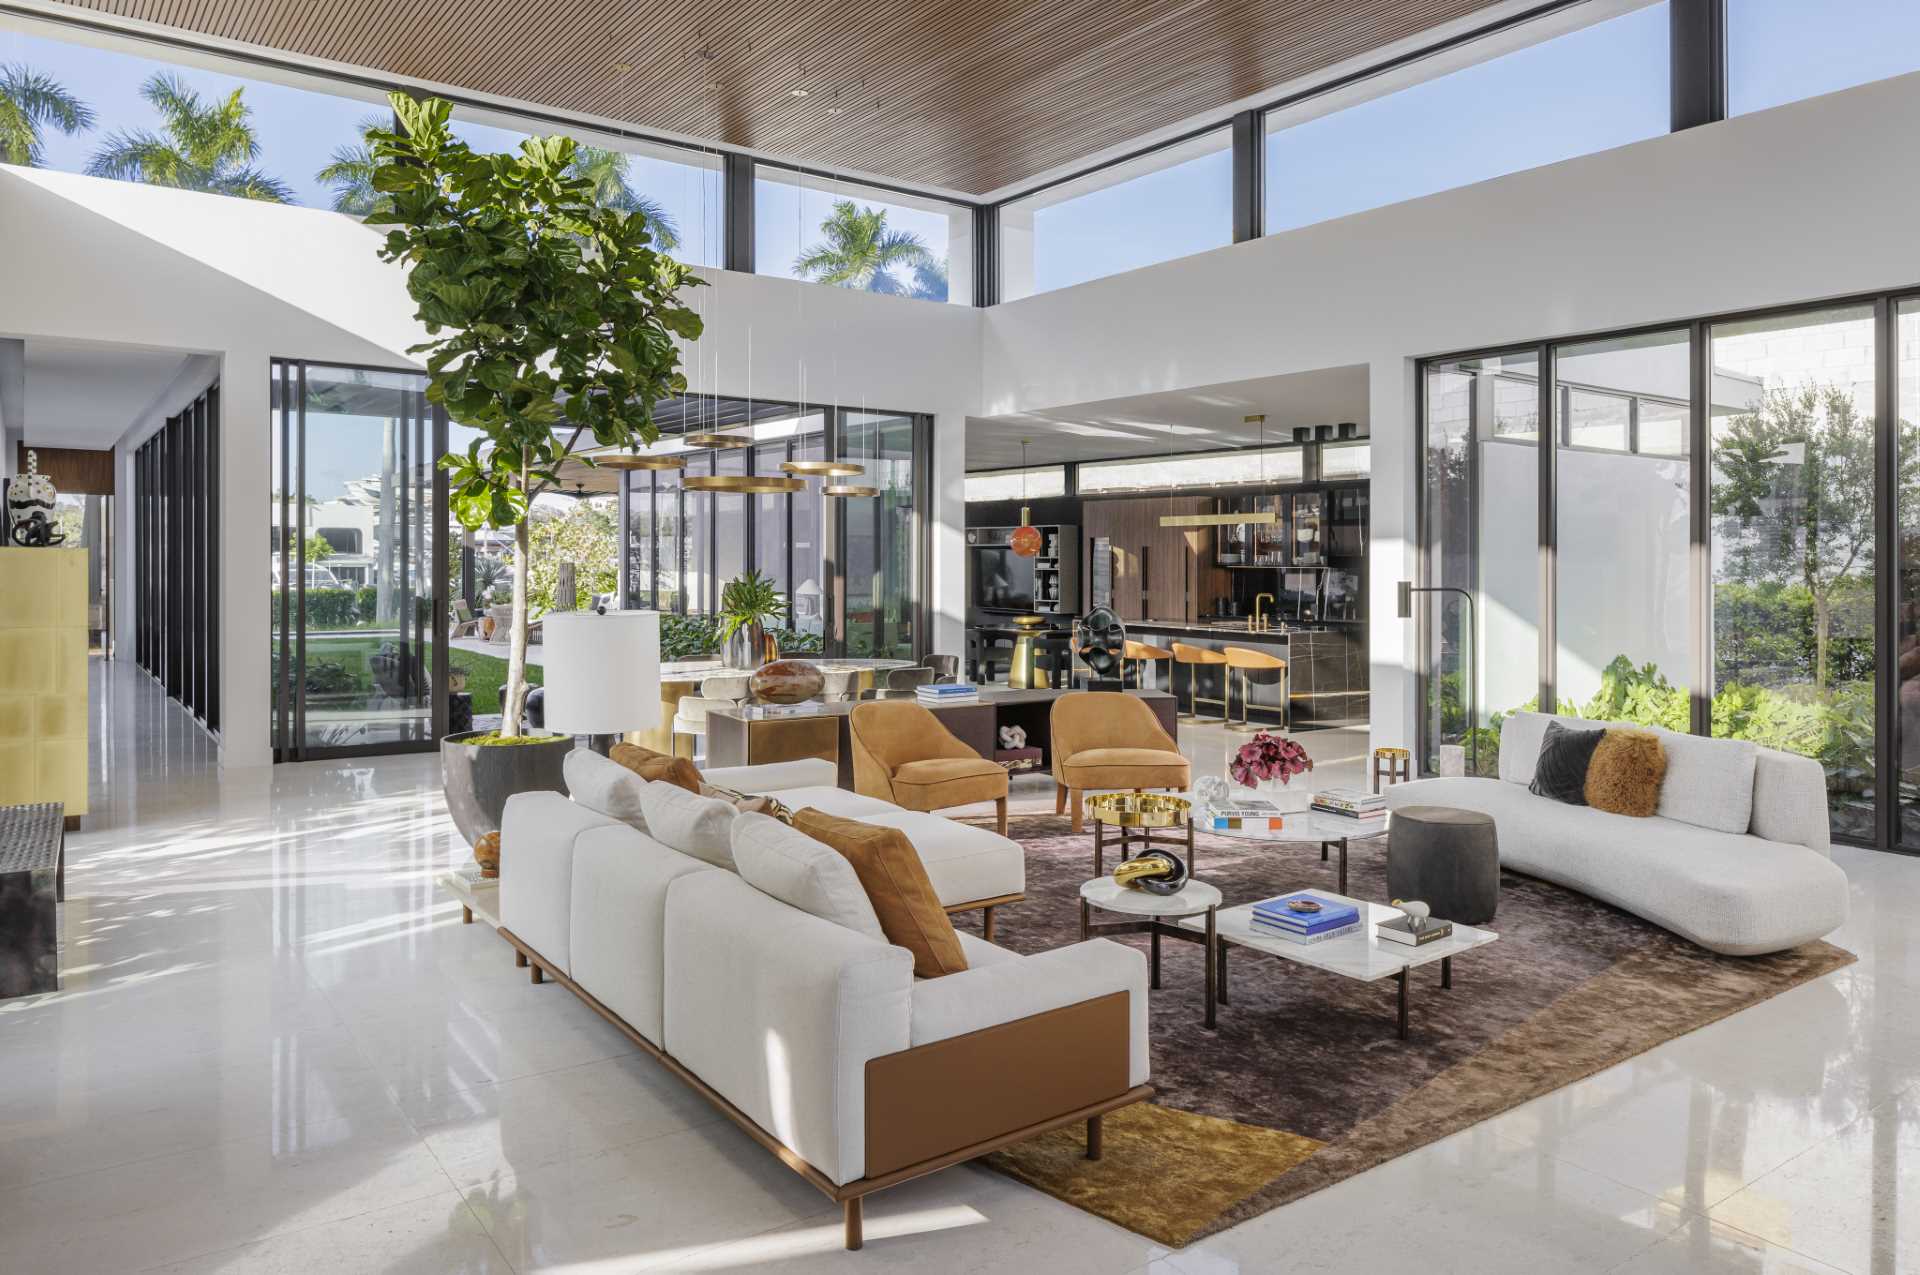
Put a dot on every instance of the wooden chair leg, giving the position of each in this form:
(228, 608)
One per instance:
(1094, 1148)
(986, 924)
(1059, 798)
(519, 959)
(1000, 811)
(1079, 812)
(854, 1238)
(539, 975)
(466, 915)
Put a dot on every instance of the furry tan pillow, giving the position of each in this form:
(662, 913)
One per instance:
(1625, 774)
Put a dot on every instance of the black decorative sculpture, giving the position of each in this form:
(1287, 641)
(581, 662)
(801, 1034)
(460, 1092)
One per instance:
(30, 501)
(1100, 639)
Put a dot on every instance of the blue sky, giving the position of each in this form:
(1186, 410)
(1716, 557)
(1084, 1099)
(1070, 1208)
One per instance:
(1599, 87)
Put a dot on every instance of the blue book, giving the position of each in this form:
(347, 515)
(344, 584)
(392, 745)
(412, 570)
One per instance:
(949, 688)
(1274, 911)
(1338, 923)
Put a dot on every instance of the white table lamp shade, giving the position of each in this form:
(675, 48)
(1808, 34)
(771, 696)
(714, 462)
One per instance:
(602, 671)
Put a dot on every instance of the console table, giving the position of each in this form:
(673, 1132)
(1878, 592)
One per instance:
(736, 740)
(33, 878)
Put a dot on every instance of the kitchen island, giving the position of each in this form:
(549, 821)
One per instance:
(1326, 667)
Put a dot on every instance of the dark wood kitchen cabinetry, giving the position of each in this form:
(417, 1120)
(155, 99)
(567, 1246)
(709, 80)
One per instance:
(1158, 572)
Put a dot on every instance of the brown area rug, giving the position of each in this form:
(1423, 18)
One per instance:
(1572, 987)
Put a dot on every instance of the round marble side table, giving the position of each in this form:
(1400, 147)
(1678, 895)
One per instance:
(1150, 914)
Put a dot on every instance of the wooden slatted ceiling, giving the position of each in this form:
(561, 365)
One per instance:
(970, 95)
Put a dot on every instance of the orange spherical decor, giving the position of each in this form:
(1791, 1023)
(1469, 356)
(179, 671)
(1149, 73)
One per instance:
(1026, 541)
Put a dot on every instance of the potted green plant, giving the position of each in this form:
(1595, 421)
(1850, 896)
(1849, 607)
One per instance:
(549, 313)
(749, 605)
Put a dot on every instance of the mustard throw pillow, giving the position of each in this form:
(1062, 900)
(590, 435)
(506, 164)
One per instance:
(1625, 774)
(657, 767)
(896, 884)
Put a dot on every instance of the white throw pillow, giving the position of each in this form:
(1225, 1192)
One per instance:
(1709, 782)
(605, 787)
(803, 873)
(687, 822)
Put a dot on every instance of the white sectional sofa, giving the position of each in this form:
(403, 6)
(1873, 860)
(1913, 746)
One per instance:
(814, 1037)
(1737, 858)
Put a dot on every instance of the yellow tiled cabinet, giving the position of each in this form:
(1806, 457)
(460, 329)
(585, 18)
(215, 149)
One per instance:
(43, 677)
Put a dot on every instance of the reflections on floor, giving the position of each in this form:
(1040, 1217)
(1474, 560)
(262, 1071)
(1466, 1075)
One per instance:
(278, 1049)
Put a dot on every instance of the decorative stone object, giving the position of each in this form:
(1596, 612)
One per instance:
(786, 682)
(30, 501)
(1012, 737)
(486, 853)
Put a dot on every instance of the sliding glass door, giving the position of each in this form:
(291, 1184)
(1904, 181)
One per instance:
(1483, 436)
(176, 530)
(1728, 529)
(357, 561)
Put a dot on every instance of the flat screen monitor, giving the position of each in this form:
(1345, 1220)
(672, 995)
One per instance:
(1002, 579)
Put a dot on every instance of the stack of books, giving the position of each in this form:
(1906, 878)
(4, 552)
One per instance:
(934, 694)
(766, 712)
(1273, 918)
(1351, 803)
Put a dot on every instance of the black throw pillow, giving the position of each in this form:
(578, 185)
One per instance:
(1565, 754)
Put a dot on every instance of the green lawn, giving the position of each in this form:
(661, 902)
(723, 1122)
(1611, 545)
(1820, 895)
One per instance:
(485, 673)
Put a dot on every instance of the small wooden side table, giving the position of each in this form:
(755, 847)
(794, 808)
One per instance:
(1395, 765)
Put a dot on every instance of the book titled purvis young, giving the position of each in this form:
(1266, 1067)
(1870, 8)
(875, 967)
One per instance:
(1400, 929)
(948, 688)
(1260, 927)
(1247, 823)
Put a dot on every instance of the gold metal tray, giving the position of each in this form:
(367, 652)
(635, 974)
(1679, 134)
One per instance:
(1139, 809)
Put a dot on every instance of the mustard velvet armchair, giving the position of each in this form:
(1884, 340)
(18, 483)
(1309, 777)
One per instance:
(902, 754)
(1105, 740)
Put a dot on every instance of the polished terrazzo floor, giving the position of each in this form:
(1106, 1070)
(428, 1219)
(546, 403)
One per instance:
(278, 1050)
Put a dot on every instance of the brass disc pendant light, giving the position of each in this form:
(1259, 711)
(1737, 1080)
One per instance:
(630, 460)
(822, 468)
(749, 484)
(849, 491)
(715, 442)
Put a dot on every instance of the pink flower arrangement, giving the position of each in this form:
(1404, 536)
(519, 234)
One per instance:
(1268, 757)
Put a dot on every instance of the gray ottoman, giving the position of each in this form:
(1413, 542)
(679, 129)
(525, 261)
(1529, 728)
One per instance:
(1446, 858)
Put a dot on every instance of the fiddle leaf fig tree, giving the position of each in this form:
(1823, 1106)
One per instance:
(553, 318)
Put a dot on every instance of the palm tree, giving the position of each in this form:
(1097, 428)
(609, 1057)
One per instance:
(350, 171)
(29, 102)
(930, 280)
(859, 250)
(208, 146)
(607, 170)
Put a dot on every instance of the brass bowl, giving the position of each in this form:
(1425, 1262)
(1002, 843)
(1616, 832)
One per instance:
(1139, 809)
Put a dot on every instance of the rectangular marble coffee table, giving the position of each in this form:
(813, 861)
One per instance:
(1360, 955)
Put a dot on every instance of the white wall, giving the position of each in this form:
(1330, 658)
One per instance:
(242, 283)
(1805, 201)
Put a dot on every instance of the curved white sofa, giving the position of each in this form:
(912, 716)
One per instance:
(1737, 859)
(813, 1036)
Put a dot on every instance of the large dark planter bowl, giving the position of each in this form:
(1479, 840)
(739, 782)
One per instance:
(478, 780)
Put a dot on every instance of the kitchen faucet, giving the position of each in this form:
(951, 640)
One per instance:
(1257, 623)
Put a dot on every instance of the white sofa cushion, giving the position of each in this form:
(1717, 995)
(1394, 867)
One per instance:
(537, 835)
(1790, 800)
(778, 776)
(687, 822)
(1741, 895)
(797, 870)
(780, 1012)
(1709, 782)
(1001, 991)
(620, 880)
(605, 786)
(964, 862)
